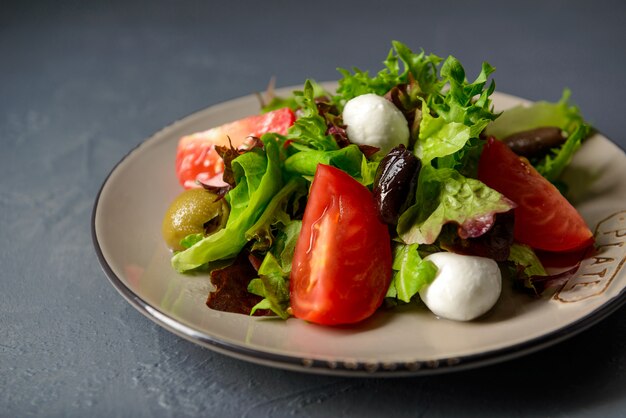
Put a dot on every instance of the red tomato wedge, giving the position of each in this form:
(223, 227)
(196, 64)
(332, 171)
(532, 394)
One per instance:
(342, 262)
(197, 159)
(544, 219)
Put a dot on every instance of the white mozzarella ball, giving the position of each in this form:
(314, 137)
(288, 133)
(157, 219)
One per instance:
(375, 121)
(464, 288)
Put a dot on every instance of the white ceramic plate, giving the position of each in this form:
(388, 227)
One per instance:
(126, 228)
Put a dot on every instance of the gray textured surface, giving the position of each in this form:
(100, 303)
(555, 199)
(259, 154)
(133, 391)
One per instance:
(81, 83)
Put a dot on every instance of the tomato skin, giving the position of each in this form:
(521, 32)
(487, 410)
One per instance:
(342, 262)
(544, 219)
(197, 159)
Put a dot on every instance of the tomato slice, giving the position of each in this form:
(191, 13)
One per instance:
(342, 262)
(544, 219)
(197, 159)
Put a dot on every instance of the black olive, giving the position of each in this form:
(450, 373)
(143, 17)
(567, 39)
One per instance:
(395, 183)
(535, 142)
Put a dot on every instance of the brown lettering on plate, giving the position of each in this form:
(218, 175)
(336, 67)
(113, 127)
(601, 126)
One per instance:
(602, 260)
(587, 282)
(599, 274)
(619, 233)
(611, 244)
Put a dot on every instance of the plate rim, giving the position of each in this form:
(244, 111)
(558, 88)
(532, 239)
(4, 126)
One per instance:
(319, 366)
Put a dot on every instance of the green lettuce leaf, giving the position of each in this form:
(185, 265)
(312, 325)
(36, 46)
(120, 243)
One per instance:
(444, 196)
(368, 171)
(439, 138)
(273, 285)
(555, 162)
(278, 102)
(466, 160)
(459, 103)
(561, 114)
(524, 256)
(275, 214)
(285, 245)
(411, 273)
(536, 115)
(349, 159)
(310, 127)
(258, 178)
(273, 281)
(190, 240)
(529, 275)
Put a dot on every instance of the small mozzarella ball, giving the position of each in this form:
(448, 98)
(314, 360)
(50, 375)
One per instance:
(464, 288)
(375, 121)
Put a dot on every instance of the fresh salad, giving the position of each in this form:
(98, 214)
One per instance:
(400, 187)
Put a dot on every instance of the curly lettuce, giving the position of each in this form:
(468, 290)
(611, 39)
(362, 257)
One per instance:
(419, 67)
(450, 119)
(310, 129)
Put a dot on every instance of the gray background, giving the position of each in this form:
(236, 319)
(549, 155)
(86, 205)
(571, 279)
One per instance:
(81, 83)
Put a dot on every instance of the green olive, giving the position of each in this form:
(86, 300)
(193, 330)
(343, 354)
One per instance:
(194, 211)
